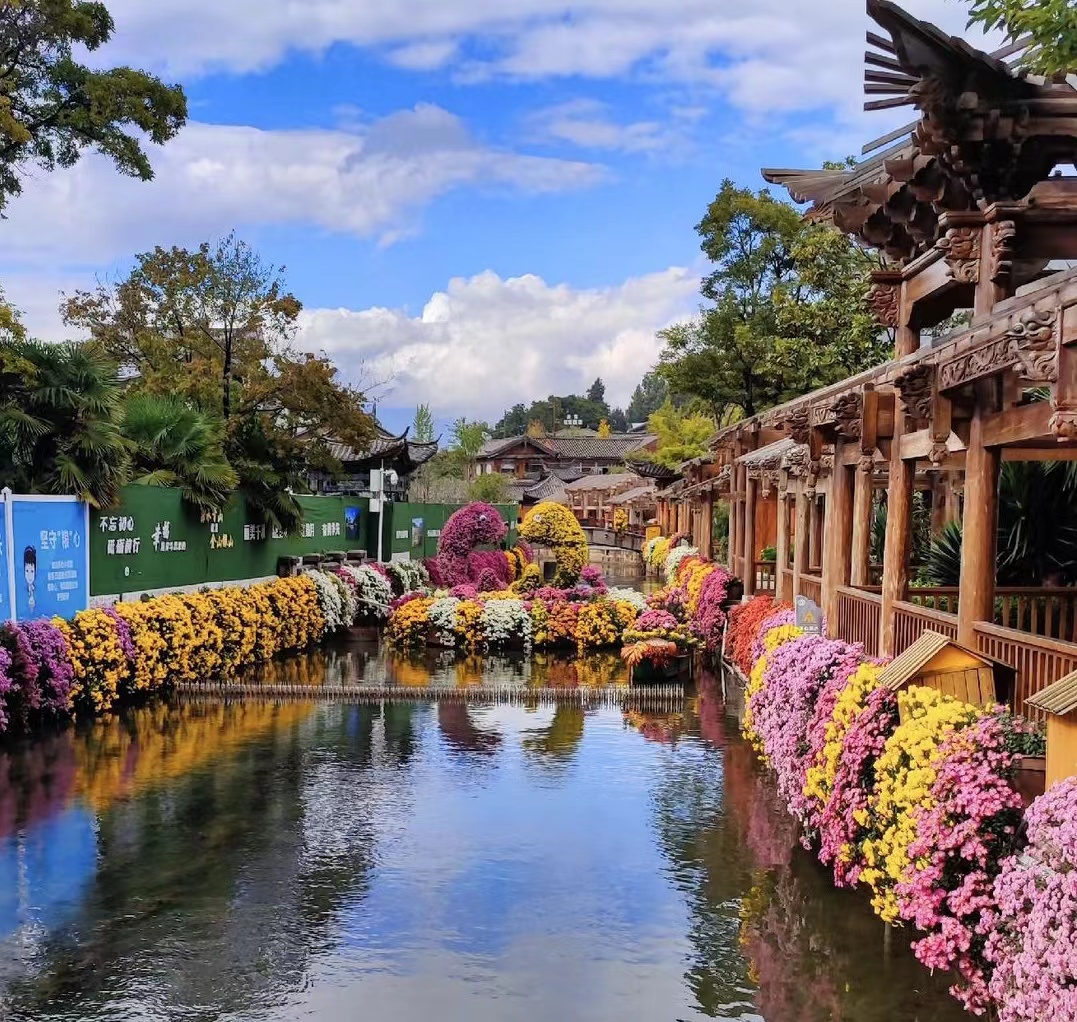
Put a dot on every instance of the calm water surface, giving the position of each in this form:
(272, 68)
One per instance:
(413, 862)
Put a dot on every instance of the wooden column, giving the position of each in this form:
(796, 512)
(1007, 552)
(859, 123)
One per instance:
(748, 538)
(860, 568)
(800, 539)
(731, 536)
(979, 524)
(706, 526)
(817, 512)
(898, 535)
(782, 547)
(837, 536)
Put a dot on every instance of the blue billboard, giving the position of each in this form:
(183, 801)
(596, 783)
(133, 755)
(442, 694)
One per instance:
(47, 550)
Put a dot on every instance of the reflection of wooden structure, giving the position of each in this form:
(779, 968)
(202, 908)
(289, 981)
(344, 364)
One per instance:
(936, 662)
(969, 210)
(1059, 703)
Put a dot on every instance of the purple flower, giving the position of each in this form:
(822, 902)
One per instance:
(466, 529)
(655, 621)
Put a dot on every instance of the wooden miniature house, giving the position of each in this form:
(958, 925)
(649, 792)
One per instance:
(937, 662)
(1059, 701)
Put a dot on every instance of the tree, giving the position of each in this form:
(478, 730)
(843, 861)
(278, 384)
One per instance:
(597, 392)
(682, 435)
(536, 429)
(422, 429)
(604, 429)
(650, 394)
(58, 430)
(468, 437)
(52, 107)
(787, 311)
(215, 328)
(1052, 24)
(513, 422)
(618, 421)
(173, 444)
(490, 488)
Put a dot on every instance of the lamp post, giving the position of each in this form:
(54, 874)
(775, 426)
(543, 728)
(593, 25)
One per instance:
(573, 422)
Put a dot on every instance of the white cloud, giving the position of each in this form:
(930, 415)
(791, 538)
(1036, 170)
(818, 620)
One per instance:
(369, 183)
(486, 343)
(770, 54)
(587, 124)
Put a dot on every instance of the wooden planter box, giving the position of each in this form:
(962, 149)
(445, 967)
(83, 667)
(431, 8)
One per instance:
(1031, 777)
(678, 669)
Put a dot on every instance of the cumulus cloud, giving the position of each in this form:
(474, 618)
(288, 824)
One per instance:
(485, 343)
(588, 124)
(370, 182)
(768, 55)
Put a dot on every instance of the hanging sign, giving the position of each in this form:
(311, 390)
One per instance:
(48, 556)
(809, 616)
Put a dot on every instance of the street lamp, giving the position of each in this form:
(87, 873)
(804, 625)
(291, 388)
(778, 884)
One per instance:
(573, 421)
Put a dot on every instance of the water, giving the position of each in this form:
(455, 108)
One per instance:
(408, 862)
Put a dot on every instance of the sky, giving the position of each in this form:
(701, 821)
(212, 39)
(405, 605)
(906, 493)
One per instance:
(478, 203)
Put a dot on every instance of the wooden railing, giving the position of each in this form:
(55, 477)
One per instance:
(1038, 661)
(858, 618)
(910, 620)
(766, 577)
(811, 586)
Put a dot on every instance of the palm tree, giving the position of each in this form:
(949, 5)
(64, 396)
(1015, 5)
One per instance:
(176, 445)
(58, 421)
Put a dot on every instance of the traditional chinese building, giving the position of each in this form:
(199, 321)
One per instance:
(568, 455)
(402, 455)
(971, 207)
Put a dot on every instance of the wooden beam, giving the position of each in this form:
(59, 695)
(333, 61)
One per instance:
(837, 533)
(782, 546)
(1014, 425)
(801, 537)
(898, 538)
(978, 526)
(748, 538)
(861, 544)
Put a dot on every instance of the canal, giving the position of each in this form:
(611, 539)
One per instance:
(416, 861)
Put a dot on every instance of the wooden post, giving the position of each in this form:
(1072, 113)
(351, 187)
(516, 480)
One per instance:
(863, 492)
(731, 544)
(898, 535)
(800, 539)
(748, 547)
(979, 524)
(706, 526)
(782, 547)
(817, 515)
(836, 537)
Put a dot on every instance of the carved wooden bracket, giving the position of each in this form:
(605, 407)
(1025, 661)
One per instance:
(1002, 243)
(796, 460)
(798, 423)
(961, 249)
(916, 386)
(884, 300)
(866, 464)
(1034, 340)
(848, 412)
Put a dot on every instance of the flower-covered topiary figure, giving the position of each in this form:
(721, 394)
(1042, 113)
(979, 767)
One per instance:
(466, 529)
(553, 525)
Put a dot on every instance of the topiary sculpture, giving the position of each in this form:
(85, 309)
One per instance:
(553, 525)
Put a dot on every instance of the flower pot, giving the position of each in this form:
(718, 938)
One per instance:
(1031, 777)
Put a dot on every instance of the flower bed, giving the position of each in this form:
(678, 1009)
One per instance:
(921, 807)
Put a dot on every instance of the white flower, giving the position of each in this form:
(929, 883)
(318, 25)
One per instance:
(375, 593)
(411, 576)
(505, 620)
(674, 558)
(632, 596)
(329, 599)
(442, 615)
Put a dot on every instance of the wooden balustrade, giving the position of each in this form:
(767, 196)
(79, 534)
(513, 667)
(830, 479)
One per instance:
(911, 619)
(811, 586)
(766, 577)
(1038, 661)
(858, 618)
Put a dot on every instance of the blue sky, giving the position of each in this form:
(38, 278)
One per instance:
(476, 203)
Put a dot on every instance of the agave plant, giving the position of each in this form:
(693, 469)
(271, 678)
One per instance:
(1037, 529)
(58, 421)
(176, 445)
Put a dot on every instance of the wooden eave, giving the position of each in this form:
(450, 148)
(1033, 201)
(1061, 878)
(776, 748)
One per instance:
(1059, 698)
(906, 666)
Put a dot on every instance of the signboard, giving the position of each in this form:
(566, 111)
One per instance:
(353, 523)
(47, 548)
(809, 616)
(417, 534)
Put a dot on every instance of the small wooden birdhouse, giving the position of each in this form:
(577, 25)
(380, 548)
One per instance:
(1059, 701)
(937, 662)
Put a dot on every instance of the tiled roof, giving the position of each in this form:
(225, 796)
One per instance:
(386, 446)
(638, 494)
(596, 481)
(611, 448)
(654, 470)
(491, 448)
(549, 488)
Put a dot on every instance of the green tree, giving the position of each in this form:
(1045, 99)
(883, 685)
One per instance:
(468, 437)
(618, 420)
(1052, 24)
(52, 107)
(682, 434)
(597, 392)
(422, 428)
(650, 394)
(176, 445)
(490, 487)
(215, 328)
(513, 422)
(58, 428)
(787, 308)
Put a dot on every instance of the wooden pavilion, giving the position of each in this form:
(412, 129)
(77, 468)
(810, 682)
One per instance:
(970, 206)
